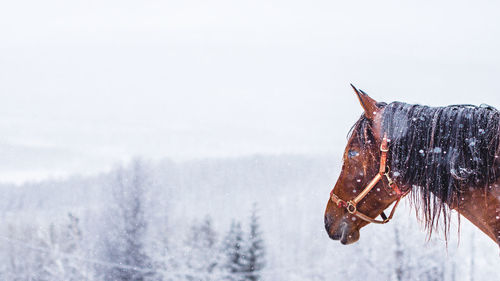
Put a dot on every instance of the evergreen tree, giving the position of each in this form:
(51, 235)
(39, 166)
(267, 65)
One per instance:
(126, 230)
(254, 252)
(71, 242)
(234, 253)
(202, 257)
(161, 250)
(207, 233)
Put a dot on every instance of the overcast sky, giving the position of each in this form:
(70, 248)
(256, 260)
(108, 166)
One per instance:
(87, 84)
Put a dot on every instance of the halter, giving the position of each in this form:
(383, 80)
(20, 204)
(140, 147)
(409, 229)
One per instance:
(383, 172)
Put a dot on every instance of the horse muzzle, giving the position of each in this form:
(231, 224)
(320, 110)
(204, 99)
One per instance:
(343, 232)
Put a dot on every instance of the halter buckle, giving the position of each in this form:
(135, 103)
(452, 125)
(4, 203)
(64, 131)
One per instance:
(384, 147)
(351, 207)
(389, 180)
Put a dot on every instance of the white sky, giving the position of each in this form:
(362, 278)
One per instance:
(86, 84)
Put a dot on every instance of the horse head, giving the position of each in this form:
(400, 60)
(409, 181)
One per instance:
(364, 188)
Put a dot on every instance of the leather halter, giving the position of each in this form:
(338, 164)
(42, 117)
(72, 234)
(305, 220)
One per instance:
(383, 171)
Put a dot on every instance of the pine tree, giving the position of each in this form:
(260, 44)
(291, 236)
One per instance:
(255, 252)
(233, 250)
(126, 230)
(72, 243)
(207, 233)
(202, 257)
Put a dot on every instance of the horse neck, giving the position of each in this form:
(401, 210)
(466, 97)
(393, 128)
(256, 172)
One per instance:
(482, 208)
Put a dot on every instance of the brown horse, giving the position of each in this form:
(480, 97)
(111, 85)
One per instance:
(444, 158)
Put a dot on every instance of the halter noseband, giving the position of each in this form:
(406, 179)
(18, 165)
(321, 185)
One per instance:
(383, 171)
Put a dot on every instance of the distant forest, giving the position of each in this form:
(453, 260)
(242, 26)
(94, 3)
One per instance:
(250, 218)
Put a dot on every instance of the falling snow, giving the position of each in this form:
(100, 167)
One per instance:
(437, 150)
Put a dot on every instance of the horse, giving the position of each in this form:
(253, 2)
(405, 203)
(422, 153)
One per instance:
(442, 158)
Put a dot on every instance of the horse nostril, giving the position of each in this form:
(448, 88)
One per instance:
(327, 223)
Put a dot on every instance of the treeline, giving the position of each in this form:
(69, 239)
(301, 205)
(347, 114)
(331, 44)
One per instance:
(126, 244)
(195, 221)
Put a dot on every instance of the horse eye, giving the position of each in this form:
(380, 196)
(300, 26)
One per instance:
(352, 153)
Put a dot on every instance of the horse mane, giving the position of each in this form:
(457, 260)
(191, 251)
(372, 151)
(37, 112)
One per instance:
(439, 152)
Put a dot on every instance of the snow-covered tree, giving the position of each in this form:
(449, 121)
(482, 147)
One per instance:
(125, 232)
(23, 260)
(63, 255)
(46, 252)
(201, 252)
(163, 256)
(234, 252)
(254, 257)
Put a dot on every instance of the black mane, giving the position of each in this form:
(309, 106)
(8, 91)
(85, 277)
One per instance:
(440, 151)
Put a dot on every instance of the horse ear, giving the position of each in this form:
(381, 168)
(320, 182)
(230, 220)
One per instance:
(369, 105)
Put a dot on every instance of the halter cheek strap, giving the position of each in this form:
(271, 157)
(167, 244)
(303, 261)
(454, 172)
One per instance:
(351, 205)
